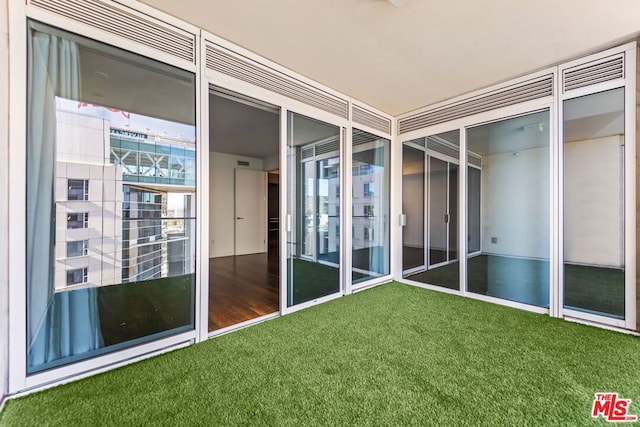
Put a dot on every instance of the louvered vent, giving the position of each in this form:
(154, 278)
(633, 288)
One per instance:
(307, 153)
(144, 30)
(604, 70)
(328, 147)
(419, 141)
(371, 119)
(441, 146)
(472, 159)
(247, 70)
(528, 91)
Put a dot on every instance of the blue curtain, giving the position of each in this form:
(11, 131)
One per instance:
(63, 324)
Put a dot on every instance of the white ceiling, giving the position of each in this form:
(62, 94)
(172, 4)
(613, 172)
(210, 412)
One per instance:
(400, 59)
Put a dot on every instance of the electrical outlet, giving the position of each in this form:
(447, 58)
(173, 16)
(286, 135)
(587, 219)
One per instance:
(494, 240)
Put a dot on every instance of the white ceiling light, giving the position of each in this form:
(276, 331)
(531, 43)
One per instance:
(398, 3)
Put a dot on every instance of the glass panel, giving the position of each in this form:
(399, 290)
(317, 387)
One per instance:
(442, 152)
(452, 216)
(594, 187)
(328, 209)
(438, 211)
(313, 246)
(308, 207)
(370, 213)
(413, 204)
(473, 218)
(110, 260)
(513, 262)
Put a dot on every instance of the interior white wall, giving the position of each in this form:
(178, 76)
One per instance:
(4, 194)
(222, 200)
(413, 208)
(271, 163)
(515, 203)
(594, 202)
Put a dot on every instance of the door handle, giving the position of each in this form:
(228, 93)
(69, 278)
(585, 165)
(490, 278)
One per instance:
(446, 219)
(239, 217)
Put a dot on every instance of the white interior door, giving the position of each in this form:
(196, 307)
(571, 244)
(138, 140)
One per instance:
(251, 211)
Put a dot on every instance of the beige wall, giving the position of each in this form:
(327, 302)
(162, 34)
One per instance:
(4, 188)
(515, 204)
(594, 202)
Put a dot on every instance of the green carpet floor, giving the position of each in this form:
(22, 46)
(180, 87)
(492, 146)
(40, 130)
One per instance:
(392, 355)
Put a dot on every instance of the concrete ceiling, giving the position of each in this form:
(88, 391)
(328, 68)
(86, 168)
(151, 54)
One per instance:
(242, 129)
(512, 135)
(117, 79)
(238, 126)
(400, 59)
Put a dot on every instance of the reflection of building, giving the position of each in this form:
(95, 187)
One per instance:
(142, 235)
(108, 229)
(369, 206)
(320, 175)
(153, 245)
(88, 198)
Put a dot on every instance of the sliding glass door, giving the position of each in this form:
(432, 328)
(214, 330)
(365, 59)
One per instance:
(439, 153)
(313, 206)
(443, 212)
(511, 260)
(594, 214)
(413, 207)
(111, 199)
(370, 214)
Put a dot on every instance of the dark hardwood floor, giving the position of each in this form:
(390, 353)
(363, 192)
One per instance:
(242, 288)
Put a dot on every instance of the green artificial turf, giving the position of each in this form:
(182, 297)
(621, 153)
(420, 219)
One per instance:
(392, 355)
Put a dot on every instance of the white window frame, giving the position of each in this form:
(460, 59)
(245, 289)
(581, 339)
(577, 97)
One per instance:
(85, 189)
(554, 105)
(85, 248)
(463, 124)
(84, 220)
(85, 275)
(18, 380)
(629, 83)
